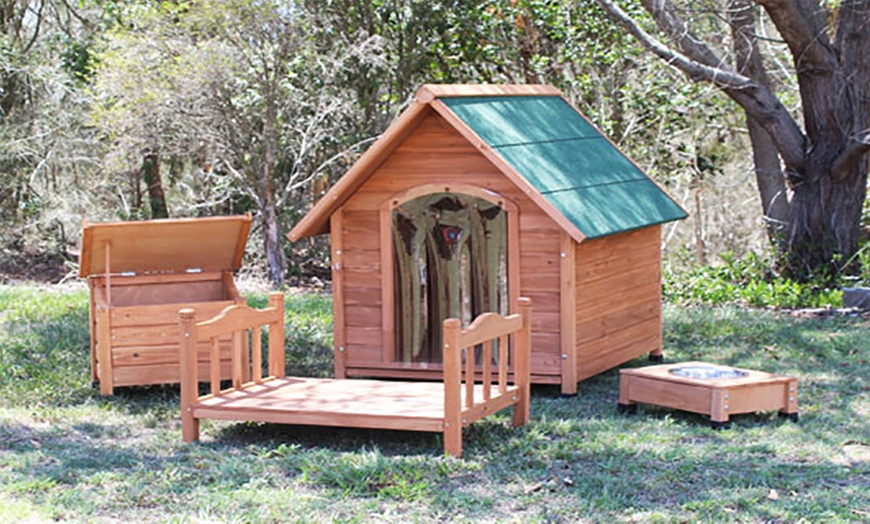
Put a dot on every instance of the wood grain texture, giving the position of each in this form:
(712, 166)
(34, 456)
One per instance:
(147, 375)
(388, 287)
(188, 373)
(567, 321)
(339, 285)
(92, 324)
(718, 398)
(618, 311)
(137, 328)
(169, 245)
(104, 352)
(371, 404)
(429, 92)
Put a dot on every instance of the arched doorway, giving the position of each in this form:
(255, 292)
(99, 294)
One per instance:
(450, 258)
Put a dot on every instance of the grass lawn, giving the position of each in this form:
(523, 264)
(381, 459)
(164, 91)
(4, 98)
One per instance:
(66, 453)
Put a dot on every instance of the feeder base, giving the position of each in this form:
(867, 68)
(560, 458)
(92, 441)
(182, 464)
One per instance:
(692, 386)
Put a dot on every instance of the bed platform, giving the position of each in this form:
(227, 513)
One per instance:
(485, 369)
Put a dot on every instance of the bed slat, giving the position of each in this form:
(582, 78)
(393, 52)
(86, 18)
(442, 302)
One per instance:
(215, 366)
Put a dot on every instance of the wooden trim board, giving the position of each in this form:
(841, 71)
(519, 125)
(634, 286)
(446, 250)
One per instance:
(429, 92)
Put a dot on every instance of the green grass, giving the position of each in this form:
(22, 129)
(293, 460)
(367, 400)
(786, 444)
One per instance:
(68, 454)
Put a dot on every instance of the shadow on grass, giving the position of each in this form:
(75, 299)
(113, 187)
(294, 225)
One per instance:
(577, 457)
(828, 356)
(342, 440)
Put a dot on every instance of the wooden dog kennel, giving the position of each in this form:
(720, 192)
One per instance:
(473, 197)
(140, 274)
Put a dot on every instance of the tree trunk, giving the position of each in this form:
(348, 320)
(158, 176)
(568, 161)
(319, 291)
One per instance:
(825, 220)
(826, 162)
(768, 169)
(276, 262)
(151, 174)
(831, 184)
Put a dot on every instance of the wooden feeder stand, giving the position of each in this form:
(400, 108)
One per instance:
(140, 274)
(694, 387)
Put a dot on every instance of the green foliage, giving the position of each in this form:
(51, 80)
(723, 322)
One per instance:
(750, 280)
(79, 60)
(44, 346)
(68, 454)
(371, 473)
(308, 332)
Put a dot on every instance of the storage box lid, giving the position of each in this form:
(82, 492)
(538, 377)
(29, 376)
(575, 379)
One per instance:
(161, 246)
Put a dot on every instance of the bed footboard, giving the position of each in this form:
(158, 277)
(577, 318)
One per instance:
(244, 324)
(486, 369)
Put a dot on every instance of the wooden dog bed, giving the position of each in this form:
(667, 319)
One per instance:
(478, 363)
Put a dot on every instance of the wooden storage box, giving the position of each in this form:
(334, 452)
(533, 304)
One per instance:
(140, 274)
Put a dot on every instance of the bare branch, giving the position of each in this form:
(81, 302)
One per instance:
(802, 25)
(38, 15)
(669, 21)
(333, 159)
(754, 97)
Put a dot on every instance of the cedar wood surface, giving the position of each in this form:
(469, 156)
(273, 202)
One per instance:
(418, 406)
(615, 307)
(134, 325)
(618, 293)
(435, 151)
(719, 398)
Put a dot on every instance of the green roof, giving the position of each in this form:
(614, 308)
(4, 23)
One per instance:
(571, 164)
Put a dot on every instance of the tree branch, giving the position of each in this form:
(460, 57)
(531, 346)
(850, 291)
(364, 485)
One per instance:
(756, 99)
(854, 151)
(802, 25)
(669, 21)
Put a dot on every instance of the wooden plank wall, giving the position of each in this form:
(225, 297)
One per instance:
(135, 339)
(144, 342)
(618, 299)
(436, 153)
(163, 289)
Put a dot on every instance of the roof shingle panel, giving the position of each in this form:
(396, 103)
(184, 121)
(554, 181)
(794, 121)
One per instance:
(573, 166)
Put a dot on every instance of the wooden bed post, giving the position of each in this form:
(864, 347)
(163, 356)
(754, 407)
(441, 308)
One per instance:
(452, 388)
(522, 356)
(276, 336)
(189, 380)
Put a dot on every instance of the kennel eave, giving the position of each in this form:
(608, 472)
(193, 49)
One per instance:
(583, 227)
(140, 274)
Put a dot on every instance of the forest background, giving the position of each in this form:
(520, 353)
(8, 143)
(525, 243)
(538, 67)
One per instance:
(127, 110)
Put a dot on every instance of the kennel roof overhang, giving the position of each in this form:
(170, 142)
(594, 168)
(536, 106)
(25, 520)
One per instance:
(165, 245)
(541, 143)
